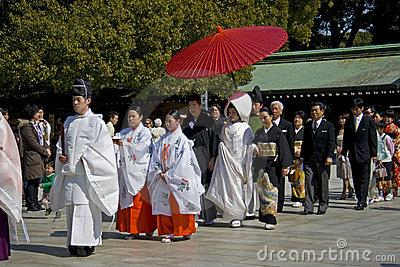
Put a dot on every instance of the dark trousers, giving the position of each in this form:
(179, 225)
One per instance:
(361, 173)
(31, 193)
(281, 189)
(317, 175)
(208, 211)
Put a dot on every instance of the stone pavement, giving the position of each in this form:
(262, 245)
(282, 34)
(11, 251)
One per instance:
(340, 237)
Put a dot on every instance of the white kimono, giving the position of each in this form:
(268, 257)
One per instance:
(10, 178)
(174, 156)
(231, 186)
(134, 163)
(88, 182)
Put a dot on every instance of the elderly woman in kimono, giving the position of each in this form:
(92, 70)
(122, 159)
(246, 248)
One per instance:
(134, 215)
(231, 186)
(174, 181)
(86, 180)
(273, 155)
(10, 186)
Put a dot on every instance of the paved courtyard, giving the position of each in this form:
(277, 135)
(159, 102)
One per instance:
(340, 237)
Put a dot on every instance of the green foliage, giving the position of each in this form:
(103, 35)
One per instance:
(46, 44)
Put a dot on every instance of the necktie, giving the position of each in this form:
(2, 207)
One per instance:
(314, 127)
(356, 122)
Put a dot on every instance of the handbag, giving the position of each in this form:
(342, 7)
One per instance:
(380, 172)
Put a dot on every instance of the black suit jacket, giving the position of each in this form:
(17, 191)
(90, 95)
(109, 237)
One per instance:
(288, 131)
(202, 132)
(361, 144)
(316, 148)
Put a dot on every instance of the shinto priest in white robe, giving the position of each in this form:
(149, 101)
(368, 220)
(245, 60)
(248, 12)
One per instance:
(134, 163)
(174, 156)
(231, 186)
(10, 179)
(87, 184)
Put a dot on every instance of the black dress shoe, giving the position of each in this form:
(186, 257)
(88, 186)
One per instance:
(359, 207)
(306, 212)
(84, 251)
(321, 212)
(72, 251)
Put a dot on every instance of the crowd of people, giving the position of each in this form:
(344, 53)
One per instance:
(201, 166)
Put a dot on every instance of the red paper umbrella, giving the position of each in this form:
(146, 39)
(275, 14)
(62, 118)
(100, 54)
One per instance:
(226, 51)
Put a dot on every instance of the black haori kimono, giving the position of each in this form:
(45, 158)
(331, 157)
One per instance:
(275, 154)
(202, 133)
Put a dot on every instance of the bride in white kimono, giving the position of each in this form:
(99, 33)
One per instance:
(231, 186)
(10, 188)
(174, 181)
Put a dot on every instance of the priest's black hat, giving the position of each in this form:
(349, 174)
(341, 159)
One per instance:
(82, 88)
(256, 95)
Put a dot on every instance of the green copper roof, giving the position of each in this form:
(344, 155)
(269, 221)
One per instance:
(329, 70)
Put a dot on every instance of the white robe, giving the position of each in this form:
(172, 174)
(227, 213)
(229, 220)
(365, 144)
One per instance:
(10, 178)
(88, 182)
(134, 163)
(182, 175)
(231, 186)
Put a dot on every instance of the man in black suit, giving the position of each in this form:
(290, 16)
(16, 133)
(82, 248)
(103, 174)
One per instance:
(317, 152)
(360, 141)
(288, 132)
(199, 127)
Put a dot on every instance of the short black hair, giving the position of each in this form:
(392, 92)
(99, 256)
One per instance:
(29, 111)
(111, 114)
(265, 109)
(301, 114)
(320, 104)
(194, 97)
(136, 108)
(380, 124)
(51, 163)
(217, 106)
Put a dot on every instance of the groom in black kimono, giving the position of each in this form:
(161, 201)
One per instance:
(199, 127)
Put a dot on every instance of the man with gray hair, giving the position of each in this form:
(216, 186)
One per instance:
(288, 132)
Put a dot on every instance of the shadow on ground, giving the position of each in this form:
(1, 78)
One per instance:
(61, 252)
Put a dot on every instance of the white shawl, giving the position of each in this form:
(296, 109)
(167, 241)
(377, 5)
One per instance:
(87, 140)
(134, 162)
(11, 180)
(174, 156)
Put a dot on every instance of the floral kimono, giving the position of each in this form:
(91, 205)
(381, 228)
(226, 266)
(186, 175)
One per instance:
(175, 198)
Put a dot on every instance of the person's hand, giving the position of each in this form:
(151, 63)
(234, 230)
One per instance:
(62, 158)
(285, 171)
(48, 152)
(211, 164)
(328, 161)
(342, 158)
(374, 158)
(118, 142)
(162, 176)
(256, 151)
